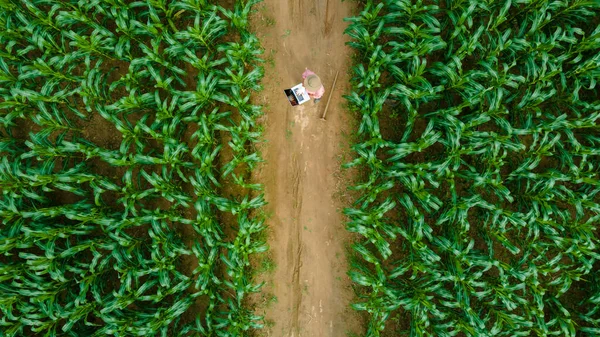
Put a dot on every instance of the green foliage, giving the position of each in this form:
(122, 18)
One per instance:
(95, 226)
(480, 203)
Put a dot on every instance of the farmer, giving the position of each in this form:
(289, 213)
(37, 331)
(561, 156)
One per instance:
(312, 84)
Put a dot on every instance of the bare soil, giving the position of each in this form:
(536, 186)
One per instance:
(308, 293)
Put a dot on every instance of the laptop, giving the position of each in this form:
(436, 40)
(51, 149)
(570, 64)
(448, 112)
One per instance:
(297, 95)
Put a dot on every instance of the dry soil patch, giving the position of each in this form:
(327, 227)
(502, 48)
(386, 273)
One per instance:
(310, 290)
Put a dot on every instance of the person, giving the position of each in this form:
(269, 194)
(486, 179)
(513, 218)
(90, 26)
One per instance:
(312, 84)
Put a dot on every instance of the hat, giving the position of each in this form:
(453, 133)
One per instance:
(312, 83)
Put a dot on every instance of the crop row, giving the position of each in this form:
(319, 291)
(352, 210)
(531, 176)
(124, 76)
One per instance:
(119, 123)
(480, 203)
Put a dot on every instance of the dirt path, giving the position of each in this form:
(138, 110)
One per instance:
(301, 175)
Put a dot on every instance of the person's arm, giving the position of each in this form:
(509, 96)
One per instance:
(306, 73)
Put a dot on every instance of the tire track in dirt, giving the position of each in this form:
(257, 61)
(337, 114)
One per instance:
(328, 20)
(301, 173)
(296, 250)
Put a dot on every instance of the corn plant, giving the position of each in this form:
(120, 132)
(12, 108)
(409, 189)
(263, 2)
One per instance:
(94, 232)
(479, 205)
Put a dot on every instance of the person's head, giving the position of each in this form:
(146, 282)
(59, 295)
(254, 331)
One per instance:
(312, 83)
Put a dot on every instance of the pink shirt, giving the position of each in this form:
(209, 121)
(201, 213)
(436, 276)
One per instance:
(319, 93)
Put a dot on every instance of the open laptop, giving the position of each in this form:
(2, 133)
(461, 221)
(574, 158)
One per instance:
(297, 95)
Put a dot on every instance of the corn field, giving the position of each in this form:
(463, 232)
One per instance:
(480, 147)
(94, 230)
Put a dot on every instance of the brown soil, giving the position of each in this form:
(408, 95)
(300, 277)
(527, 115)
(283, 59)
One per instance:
(309, 293)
